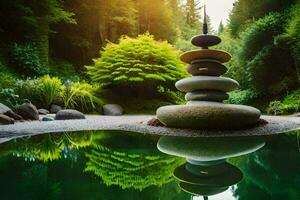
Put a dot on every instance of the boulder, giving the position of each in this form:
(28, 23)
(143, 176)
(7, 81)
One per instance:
(6, 120)
(208, 115)
(43, 111)
(28, 111)
(13, 115)
(112, 110)
(4, 108)
(69, 114)
(221, 56)
(207, 95)
(55, 108)
(194, 83)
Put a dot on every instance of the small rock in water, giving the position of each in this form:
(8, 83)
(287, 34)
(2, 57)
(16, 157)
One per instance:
(43, 111)
(4, 108)
(112, 110)
(28, 111)
(47, 119)
(6, 120)
(13, 115)
(69, 114)
(55, 108)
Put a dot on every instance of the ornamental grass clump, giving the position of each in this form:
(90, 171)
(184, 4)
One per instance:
(82, 96)
(50, 90)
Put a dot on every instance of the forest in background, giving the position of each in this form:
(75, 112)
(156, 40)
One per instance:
(60, 38)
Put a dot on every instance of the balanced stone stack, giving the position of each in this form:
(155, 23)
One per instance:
(205, 91)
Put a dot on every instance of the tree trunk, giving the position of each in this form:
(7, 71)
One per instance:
(42, 41)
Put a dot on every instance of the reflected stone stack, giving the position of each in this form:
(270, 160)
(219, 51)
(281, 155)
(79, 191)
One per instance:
(205, 92)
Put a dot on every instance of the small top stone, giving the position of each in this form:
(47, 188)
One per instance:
(205, 40)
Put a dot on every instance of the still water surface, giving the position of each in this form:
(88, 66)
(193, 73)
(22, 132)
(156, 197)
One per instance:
(128, 166)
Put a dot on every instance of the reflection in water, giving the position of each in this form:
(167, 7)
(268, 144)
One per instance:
(272, 173)
(206, 171)
(120, 161)
(127, 166)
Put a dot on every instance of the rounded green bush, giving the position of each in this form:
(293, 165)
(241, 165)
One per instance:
(137, 61)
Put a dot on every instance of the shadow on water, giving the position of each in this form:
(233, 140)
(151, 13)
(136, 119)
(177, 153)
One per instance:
(123, 165)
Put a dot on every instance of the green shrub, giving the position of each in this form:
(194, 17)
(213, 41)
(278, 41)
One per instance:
(82, 96)
(63, 70)
(275, 108)
(136, 67)
(50, 90)
(26, 59)
(7, 80)
(28, 90)
(242, 96)
(290, 104)
(9, 97)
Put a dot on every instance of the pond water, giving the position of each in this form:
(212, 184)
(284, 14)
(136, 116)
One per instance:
(128, 166)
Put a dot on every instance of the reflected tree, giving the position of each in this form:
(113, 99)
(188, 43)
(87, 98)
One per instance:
(267, 175)
(138, 166)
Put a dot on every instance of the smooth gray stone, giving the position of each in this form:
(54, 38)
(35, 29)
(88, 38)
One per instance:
(4, 120)
(4, 108)
(214, 54)
(55, 108)
(13, 115)
(69, 114)
(47, 119)
(207, 149)
(43, 111)
(112, 110)
(206, 67)
(207, 115)
(28, 111)
(207, 95)
(205, 40)
(194, 83)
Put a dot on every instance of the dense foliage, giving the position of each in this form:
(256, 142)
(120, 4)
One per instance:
(289, 104)
(137, 60)
(137, 67)
(46, 90)
(265, 51)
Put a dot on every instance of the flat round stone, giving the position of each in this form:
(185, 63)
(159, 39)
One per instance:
(194, 83)
(207, 149)
(207, 67)
(207, 115)
(207, 95)
(221, 56)
(205, 40)
(227, 178)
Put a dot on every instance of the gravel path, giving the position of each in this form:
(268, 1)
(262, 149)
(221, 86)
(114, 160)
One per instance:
(136, 123)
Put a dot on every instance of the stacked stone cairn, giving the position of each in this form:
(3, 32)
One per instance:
(205, 91)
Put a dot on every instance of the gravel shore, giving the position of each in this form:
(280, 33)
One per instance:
(137, 123)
